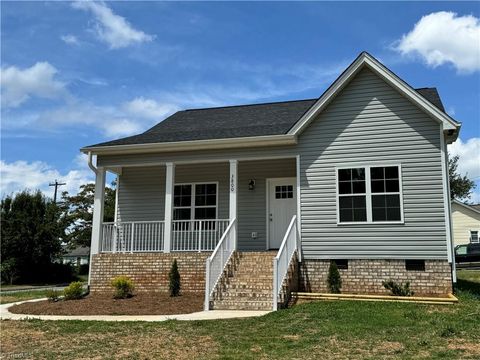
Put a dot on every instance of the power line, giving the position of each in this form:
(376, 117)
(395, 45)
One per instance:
(56, 184)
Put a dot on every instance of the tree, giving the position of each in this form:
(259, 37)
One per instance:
(460, 186)
(32, 228)
(79, 213)
(174, 279)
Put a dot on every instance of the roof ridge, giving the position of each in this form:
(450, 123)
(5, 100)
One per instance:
(245, 105)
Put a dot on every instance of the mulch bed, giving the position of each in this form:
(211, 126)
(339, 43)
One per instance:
(104, 304)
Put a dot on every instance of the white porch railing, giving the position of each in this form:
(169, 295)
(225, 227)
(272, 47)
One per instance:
(132, 236)
(197, 235)
(148, 236)
(281, 262)
(219, 259)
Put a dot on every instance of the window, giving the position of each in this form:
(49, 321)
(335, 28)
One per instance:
(342, 264)
(369, 194)
(284, 192)
(385, 187)
(352, 195)
(415, 265)
(195, 201)
(474, 236)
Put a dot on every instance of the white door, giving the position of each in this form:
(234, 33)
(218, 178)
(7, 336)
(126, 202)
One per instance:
(282, 205)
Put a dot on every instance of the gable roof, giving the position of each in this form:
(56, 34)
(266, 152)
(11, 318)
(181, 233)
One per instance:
(367, 60)
(264, 124)
(475, 208)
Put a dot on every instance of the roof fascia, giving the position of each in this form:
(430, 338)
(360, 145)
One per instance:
(272, 140)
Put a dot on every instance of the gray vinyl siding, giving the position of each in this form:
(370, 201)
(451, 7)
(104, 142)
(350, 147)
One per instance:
(141, 195)
(370, 122)
(252, 204)
(367, 122)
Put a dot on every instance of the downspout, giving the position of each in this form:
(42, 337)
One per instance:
(95, 170)
(90, 163)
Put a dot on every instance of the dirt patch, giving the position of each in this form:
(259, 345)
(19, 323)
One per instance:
(469, 348)
(100, 304)
(24, 340)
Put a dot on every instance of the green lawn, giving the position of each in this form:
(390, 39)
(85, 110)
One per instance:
(22, 295)
(326, 330)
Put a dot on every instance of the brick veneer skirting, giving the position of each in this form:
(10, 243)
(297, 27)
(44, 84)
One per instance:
(366, 276)
(149, 271)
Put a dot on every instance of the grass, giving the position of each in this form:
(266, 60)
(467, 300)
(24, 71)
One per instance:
(327, 330)
(22, 295)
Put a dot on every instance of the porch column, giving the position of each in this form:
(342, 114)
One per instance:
(169, 188)
(233, 189)
(98, 205)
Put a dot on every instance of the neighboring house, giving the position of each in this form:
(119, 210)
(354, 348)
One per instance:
(465, 223)
(358, 176)
(77, 256)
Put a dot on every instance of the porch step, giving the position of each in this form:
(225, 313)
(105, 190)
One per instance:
(249, 286)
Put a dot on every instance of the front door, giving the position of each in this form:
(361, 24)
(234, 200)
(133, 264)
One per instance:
(282, 205)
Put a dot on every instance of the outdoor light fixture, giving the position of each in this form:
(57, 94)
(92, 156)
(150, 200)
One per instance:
(251, 184)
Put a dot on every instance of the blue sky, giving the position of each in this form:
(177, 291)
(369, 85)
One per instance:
(75, 74)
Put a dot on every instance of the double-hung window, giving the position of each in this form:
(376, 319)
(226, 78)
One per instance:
(369, 194)
(474, 237)
(195, 201)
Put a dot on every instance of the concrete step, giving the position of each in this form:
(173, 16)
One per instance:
(242, 305)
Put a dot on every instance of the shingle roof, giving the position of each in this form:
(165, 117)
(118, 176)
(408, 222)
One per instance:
(234, 121)
(431, 94)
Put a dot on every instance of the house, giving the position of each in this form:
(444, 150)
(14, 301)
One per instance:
(255, 201)
(465, 223)
(77, 256)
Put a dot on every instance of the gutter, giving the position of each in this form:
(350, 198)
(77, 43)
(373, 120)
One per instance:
(90, 163)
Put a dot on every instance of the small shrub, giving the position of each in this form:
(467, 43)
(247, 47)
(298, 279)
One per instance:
(398, 289)
(174, 279)
(334, 280)
(74, 291)
(123, 287)
(53, 295)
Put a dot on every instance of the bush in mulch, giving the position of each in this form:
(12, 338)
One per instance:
(334, 280)
(174, 280)
(74, 291)
(123, 287)
(53, 295)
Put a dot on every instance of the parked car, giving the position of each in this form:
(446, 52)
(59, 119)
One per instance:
(467, 253)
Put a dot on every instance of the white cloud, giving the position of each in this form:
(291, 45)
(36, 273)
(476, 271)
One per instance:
(149, 108)
(69, 39)
(444, 38)
(468, 162)
(469, 157)
(111, 28)
(19, 175)
(18, 85)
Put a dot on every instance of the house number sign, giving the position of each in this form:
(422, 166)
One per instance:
(232, 183)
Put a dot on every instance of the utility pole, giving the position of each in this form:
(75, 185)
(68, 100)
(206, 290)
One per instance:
(56, 184)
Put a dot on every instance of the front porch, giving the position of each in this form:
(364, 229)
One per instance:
(178, 207)
(205, 215)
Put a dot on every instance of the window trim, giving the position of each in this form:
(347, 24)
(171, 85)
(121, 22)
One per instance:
(192, 200)
(470, 236)
(368, 193)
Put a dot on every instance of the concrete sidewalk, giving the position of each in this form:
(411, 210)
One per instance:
(202, 315)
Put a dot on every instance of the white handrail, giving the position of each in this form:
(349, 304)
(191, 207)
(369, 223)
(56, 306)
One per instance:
(219, 259)
(281, 262)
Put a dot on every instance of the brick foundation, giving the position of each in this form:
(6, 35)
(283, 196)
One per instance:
(149, 271)
(366, 276)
